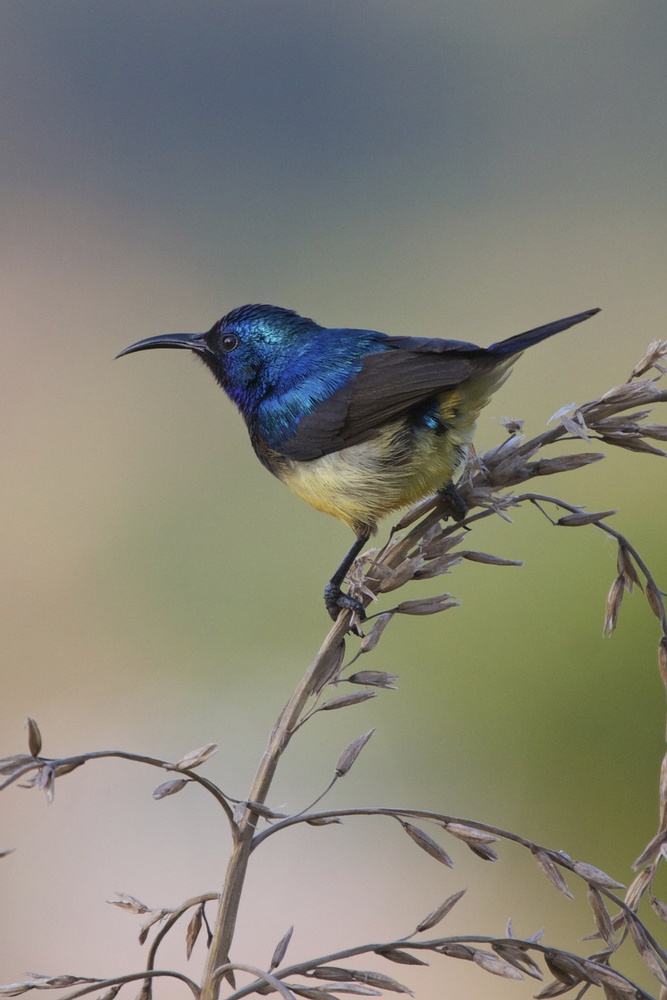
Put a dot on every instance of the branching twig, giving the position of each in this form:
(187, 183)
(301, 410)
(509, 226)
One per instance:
(420, 547)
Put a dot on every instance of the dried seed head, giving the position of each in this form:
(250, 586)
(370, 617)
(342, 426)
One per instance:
(552, 872)
(563, 463)
(193, 930)
(470, 834)
(437, 566)
(382, 982)
(351, 752)
(632, 442)
(356, 988)
(366, 978)
(34, 737)
(400, 957)
(130, 903)
(440, 544)
(427, 843)
(655, 602)
(517, 957)
(476, 840)
(419, 509)
(170, 787)
(601, 915)
(374, 678)
(622, 397)
(455, 950)
(329, 666)
(495, 965)
(626, 567)
(440, 912)
(427, 606)
(196, 757)
(402, 574)
(8, 765)
(637, 888)
(374, 634)
(46, 781)
(483, 557)
(656, 431)
(345, 700)
(71, 765)
(655, 352)
(281, 948)
(653, 964)
(575, 520)
(483, 851)
(621, 989)
(594, 875)
(565, 968)
(333, 972)
(643, 946)
(614, 598)
(659, 908)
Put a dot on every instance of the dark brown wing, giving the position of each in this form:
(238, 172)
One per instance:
(389, 384)
(414, 370)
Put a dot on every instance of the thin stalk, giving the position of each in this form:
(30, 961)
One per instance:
(225, 924)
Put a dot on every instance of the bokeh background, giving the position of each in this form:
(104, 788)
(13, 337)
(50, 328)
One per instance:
(462, 168)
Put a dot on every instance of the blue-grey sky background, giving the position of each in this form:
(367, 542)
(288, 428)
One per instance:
(460, 168)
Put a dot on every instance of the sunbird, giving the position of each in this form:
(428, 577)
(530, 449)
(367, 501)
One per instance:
(356, 422)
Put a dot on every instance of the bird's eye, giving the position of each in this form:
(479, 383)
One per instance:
(228, 342)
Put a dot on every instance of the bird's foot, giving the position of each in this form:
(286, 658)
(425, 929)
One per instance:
(453, 503)
(336, 601)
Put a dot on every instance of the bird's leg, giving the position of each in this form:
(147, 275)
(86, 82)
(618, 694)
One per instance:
(334, 598)
(453, 503)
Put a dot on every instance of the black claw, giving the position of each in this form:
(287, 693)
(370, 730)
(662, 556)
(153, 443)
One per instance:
(336, 601)
(453, 503)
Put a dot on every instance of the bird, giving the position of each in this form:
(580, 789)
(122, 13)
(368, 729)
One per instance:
(356, 422)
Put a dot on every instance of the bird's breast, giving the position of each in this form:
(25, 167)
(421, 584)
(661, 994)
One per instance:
(404, 460)
(364, 482)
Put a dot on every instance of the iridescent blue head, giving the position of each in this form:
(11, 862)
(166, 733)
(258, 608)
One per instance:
(274, 364)
(248, 350)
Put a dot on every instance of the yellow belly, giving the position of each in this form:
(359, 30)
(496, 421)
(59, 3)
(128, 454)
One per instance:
(358, 486)
(367, 481)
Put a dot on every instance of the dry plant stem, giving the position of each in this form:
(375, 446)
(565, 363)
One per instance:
(426, 549)
(172, 919)
(390, 556)
(79, 759)
(426, 946)
(225, 924)
(536, 498)
(267, 977)
(558, 858)
(131, 977)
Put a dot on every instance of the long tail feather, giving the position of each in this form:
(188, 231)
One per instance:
(505, 348)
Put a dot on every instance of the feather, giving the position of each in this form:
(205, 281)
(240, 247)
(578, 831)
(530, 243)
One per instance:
(389, 385)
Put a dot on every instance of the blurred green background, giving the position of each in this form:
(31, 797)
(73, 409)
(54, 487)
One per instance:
(461, 168)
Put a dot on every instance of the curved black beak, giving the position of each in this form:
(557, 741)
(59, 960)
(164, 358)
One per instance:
(191, 341)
